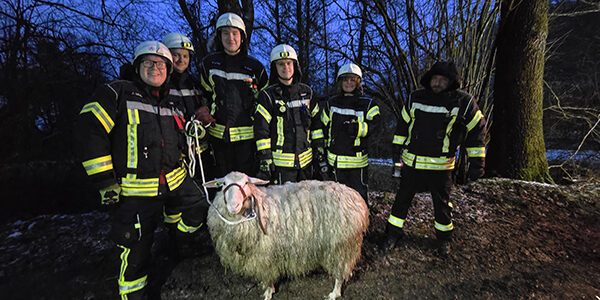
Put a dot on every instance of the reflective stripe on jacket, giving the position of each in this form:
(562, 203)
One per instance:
(432, 126)
(230, 86)
(127, 137)
(282, 123)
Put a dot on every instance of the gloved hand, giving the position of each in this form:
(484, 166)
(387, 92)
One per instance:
(266, 169)
(110, 195)
(474, 173)
(396, 170)
(203, 115)
(192, 129)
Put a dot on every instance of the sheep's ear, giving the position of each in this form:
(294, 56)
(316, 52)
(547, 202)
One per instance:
(257, 181)
(215, 183)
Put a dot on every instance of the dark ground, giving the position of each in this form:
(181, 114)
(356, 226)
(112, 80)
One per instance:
(513, 240)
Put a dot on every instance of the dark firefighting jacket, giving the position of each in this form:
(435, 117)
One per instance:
(282, 123)
(432, 126)
(134, 136)
(346, 123)
(183, 92)
(230, 86)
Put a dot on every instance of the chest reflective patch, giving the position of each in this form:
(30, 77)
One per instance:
(228, 76)
(434, 109)
(346, 111)
(298, 103)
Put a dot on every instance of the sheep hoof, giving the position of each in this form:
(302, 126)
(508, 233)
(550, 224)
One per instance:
(269, 290)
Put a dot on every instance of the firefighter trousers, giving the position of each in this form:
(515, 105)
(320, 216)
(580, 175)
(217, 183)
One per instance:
(134, 221)
(439, 184)
(283, 175)
(356, 178)
(234, 156)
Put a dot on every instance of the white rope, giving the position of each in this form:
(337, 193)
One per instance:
(193, 142)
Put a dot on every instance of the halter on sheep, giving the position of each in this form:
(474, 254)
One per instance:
(300, 227)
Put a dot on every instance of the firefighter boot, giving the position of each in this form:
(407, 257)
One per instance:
(443, 250)
(393, 235)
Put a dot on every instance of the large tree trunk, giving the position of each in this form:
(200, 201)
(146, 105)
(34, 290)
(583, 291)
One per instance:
(516, 148)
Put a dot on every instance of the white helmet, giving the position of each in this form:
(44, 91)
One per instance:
(156, 48)
(349, 69)
(231, 20)
(176, 40)
(283, 51)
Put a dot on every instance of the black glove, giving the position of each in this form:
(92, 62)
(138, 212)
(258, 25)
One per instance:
(266, 169)
(474, 173)
(110, 195)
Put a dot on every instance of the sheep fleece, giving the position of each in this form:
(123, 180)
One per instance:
(310, 224)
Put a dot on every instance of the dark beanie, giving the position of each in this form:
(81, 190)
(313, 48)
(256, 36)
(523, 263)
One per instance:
(446, 69)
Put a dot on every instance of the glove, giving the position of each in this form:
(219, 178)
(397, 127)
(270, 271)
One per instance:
(475, 173)
(110, 195)
(396, 170)
(192, 130)
(203, 115)
(266, 169)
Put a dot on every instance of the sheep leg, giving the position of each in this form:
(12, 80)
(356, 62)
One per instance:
(337, 290)
(269, 290)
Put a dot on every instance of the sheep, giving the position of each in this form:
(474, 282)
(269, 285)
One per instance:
(298, 228)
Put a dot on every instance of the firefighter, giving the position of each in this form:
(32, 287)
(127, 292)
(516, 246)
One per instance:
(283, 120)
(183, 92)
(230, 83)
(435, 121)
(131, 136)
(348, 118)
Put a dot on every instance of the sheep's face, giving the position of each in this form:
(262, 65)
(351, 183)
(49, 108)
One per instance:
(236, 191)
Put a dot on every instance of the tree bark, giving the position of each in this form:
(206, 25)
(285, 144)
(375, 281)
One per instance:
(516, 149)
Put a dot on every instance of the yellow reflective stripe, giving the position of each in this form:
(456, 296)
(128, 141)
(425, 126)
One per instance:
(363, 128)
(305, 158)
(476, 152)
(288, 160)
(139, 187)
(315, 111)
(475, 120)
(280, 136)
(241, 133)
(171, 219)
(205, 85)
(372, 112)
(100, 113)
(98, 165)
(132, 147)
(175, 178)
(428, 163)
(202, 147)
(264, 112)
(396, 221)
(399, 140)
(441, 227)
(405, 115)
(126, 287)
(317, 134)
(217, 130)
(185, 228)
(347, 162)
(324, 118)
(446, 142)
(263, 144)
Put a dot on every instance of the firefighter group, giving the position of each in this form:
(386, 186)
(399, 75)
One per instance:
(134, 143)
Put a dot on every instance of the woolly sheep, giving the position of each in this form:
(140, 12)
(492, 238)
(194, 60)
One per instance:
(299, 227)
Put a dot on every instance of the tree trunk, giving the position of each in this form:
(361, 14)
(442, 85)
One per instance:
(516, 148)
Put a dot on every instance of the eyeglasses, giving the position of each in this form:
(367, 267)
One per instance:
(159, 64)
